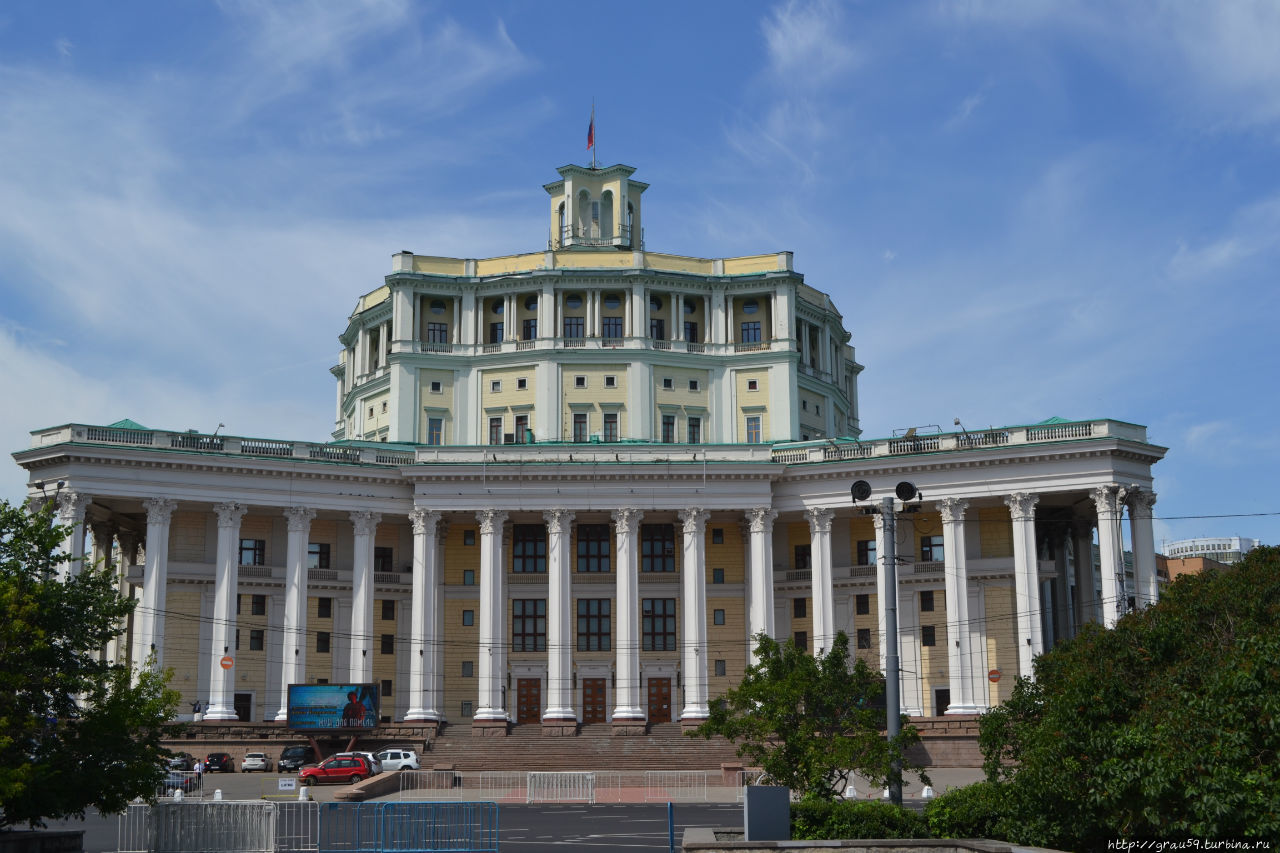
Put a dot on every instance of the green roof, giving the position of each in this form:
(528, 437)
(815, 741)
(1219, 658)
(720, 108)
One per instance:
(126, 424)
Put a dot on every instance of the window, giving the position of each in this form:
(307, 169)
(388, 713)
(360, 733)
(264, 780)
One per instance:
(668, 429)
(469, 537)
(388, 610)
(657, 548)
(468, 669)
(717, 575)
(693, 385)
(324, 608)
(657, 329)
(382, 559)
(437, 333)
(931, 549)
(690, 329)
(495, 386)
(611, 327)
(387, 644)
(717, 536)
(928, 636)
(495, 430)
(371, 411)
(384, 407)
(579, 382)
(468, 577)
(437, 306)
(258, 605)
(655, 303)
(435, 431)
(753, 384)
(864, 638)
(804, 557)
(322, 642)
(658, 625)
(594, 631)
(253, 552)
(495, 333)
(751, 306)
(522, 384)
(717, 617)
(750, 332)
(612, 301)
(594, 548)
(466, 709)
(862, 604)
(257, 640)
(497, 307)
(611, 382)
(386, 687)
(531, 303)
(573, 327)
(611, 426)
(317, 555)
(720, 667)
(522, 428)
(799, 608)
(695, 430)
(468, 618)
(529, 625)
(926, 601)
(753, 429)
(580, 426)
(436, 386)
(528, 548)
(804, 404)
(866, 552)
(529, 329)
(573, 303)
(802, 640)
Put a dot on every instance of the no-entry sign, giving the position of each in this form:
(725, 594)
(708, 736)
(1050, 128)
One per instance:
(227, 662)
(993, 676)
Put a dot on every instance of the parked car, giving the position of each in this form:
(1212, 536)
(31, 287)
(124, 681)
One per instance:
(179, 780)
(293, 758)
(181, 761)
(374, 764)
(255, 761)
(398, 758)
(219, 762)
(347, 769)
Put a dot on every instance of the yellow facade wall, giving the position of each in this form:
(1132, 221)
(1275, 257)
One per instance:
(871, 621)
(729, 555)
(376, 412)
(436, 404)
(461, 644)
(608, 258)
(429, 265)
(934, 665)
(995, 531)
(1002, 645)
(678, 263)
(319, 664)
(725, 642)
(510, 263)
(595, 399)
(752, 403)
(182, 642)
(188, 537)
(751, 264)
(861, 529)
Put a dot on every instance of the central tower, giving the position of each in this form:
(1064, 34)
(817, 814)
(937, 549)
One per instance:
(596, 208)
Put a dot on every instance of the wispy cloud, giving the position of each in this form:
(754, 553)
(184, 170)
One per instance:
(1253, 231)
(964, 110)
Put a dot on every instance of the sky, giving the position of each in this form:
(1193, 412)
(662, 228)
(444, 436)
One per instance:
(1023, 209)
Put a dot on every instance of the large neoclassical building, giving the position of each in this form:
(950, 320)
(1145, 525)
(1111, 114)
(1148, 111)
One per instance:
(567, 487)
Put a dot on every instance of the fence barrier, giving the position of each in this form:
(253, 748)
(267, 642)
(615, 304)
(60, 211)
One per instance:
(561, 787)
(402, 827)
(675, 786)
(606, 786)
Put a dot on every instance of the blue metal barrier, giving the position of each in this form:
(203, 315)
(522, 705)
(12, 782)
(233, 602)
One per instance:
(406, 827)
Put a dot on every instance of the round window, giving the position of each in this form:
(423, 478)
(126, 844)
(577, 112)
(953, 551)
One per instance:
(612, 301)
(531, 304)
(574, 302)
(690, 307)
(497, 306)
(437, 306)
(655, 303)
(750, 306)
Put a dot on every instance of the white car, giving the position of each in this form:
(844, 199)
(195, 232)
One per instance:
(398, 758)
(255, 761)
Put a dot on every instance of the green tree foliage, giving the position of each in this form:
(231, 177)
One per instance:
(973, 811)
(1165, 727)
(809, 721)
(74, 732)
(814, 819)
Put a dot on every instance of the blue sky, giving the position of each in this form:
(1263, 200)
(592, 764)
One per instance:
(1023, 209)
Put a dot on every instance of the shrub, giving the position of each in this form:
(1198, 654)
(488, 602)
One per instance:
(823, 819)
(974, 811)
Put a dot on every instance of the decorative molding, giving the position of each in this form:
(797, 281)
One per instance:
(952, 510)
(365, 522)
(491, 521)
(1022, 506)
(159, 510)
(425, 521)
(299, 518)
(819, 519)
(229, 514)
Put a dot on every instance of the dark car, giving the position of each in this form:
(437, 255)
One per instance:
(179, 780)
(293, 757)
(219, 762)
(181, 761)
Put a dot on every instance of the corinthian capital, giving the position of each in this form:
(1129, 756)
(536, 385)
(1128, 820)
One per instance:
(952, 510)
(819, 518)
(71, 506)
(159, 510)
(1105, 500)
(365, 522)
(695, 520)
(1140, 502)
(491, 521)
(1022, 505)
(761, 519)
(423, 520)
(299, 518)
(229, 514)
(628, 519)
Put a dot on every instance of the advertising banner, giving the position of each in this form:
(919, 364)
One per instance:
(332, 707)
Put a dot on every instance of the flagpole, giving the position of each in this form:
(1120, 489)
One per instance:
(593, 136)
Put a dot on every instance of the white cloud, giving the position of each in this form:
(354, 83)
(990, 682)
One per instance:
(804, 43)
(63, 46)
(1253, 230)
(965, 109)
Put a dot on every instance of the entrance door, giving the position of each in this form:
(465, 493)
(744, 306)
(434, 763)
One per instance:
(528, 700)
(593, 701)
(941, 700)
(243, 704)
(659, 700)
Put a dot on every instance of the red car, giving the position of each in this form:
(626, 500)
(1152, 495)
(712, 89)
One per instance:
(347, 769)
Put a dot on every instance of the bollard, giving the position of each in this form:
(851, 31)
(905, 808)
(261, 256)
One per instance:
(885, 795)
(217, 793)
(176, 793)
(927, 793)
(304, 794)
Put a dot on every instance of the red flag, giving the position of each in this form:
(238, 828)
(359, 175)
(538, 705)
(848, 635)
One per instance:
(591, 130)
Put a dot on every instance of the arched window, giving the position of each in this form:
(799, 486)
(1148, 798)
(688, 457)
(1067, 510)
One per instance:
(606, 216)
(629, 237)
(584, 215)
(562, 234)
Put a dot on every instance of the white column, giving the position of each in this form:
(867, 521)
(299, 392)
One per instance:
(824, 621)
(559, 705)
(1111, 553)
(493, 601)
(424, 633)
(104, 533)
(1086, 604)
(1026, 579)
(1061, 589)
(677, 319)
(693, 580)
(226, 588)
(760, 607)
(627, 709)
(956, 574)
(71, 509)
(1142, 539)
(293, 669)
(909, 650)
(546, 312)
(882, 586)
(360, 666)
(148, 635)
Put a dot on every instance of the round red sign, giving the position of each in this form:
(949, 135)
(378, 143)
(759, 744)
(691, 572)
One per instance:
(227, 662)
(994, 675)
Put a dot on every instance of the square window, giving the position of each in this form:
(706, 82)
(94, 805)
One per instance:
(468, 577)
(371, 411)
(437, 387)
(388, 644)
(693, 385)
(753, 429)
(468, 537)
(579, 382)
(717, 575)
(324, 608)
(717, 536)
(864, 638)
(388, 610)
(720, 668)
(667, 383)
(466, 709)
(928, 636)
(926, 601)
(862, 604)
(717, 617)
(799, 608)
(386, 687)
(522, 384)
(258, 605)
(257, 638)
(322, 642)
(317, 555)
(495, 386)
(611, 382)
(468, 669)
(753, 384)
(468, 617)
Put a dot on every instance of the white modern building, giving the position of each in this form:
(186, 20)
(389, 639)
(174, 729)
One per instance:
(567, 487)
(1224, 549)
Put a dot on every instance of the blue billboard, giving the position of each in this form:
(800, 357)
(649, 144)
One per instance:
(332, 707)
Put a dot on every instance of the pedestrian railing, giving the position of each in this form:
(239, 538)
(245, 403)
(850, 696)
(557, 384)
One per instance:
(400, 827)
(591, 786)
(668, 786)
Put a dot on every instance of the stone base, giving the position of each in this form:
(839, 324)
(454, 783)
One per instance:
(630, 728)
(488, 728)
(688, 724)
(559, 728)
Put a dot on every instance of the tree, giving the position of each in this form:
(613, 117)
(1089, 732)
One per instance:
(75, 731)
(1166, 726)
(809, 722)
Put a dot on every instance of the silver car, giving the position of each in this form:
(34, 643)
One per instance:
(255, 761)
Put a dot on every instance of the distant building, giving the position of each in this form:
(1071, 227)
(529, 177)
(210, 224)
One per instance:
(1222, 549)
(1171, 568)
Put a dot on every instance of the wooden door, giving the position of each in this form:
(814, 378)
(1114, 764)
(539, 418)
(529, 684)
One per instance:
(594, 707)
(528, 700)
(659, 700)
